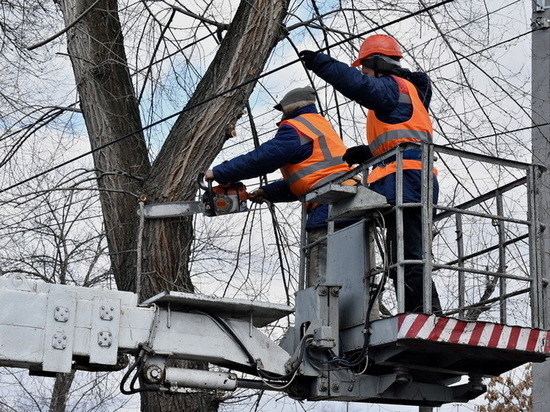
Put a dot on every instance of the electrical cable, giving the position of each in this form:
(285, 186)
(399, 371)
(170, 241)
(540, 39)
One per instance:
(276, 387)
(292, 373)
(342, 363)
(137, 366)
(233, 335)
(468, 56)
(253, 362)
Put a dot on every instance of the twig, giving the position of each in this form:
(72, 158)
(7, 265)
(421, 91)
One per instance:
(49, 39)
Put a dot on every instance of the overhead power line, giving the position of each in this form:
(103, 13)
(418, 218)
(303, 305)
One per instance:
(268, 73)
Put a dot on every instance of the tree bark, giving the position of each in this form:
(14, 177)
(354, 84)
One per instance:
(111, 111)
(60, 393)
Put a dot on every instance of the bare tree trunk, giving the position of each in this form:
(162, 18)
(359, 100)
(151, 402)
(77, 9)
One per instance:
(110, 110)
(60, 393)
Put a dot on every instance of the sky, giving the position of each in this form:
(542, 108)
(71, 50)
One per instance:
(510, 19)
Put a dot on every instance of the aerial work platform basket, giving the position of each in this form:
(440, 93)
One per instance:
(483, 250)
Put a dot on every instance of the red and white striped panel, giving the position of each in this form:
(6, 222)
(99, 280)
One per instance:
(491, 335)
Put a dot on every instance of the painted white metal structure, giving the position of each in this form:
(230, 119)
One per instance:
(339, 348)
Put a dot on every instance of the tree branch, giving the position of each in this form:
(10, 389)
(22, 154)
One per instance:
(56, 35)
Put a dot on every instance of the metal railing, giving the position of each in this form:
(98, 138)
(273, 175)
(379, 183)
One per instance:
(516, 247)
(489, 251)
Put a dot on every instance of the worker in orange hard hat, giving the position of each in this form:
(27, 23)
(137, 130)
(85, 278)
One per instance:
(397, 101)
(382, 50)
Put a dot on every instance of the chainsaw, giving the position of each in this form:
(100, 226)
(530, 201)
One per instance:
(223, 199)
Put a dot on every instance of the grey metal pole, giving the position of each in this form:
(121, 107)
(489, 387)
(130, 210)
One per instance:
(302, 276)
(541, 155)
(400, 286)
(427, 215)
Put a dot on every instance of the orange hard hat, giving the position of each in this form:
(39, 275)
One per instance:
(378, 44)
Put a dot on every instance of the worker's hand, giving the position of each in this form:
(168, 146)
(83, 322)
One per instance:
(257, 196)
(307, 57)
(357, 155)
(209, 174)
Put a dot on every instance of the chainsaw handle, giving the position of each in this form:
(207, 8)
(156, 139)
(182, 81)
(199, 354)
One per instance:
(200, 181)
(207, 193)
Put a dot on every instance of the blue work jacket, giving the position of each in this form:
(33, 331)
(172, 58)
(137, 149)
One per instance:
(380, 94)
(284, 148)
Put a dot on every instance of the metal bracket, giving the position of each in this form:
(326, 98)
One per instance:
(59, 331)
(364, 201)
(541, 5)
(322, 384)
(107, 312)
(61, 314)
(105, 339)
(19, 282)
(59, 340)
(540, 23)
(104, 349)
(323, 338)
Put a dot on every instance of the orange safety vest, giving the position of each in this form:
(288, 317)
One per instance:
(382, 137)
(325, 162)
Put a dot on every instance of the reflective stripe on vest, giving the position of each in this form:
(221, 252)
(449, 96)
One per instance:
(392, 138)
(382, 136)
(325, 162)
(308, 170)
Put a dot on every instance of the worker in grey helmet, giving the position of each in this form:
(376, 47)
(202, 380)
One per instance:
(298, 150)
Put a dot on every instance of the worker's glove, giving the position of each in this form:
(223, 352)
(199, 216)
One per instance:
(209, 175)
(257, 196)
(307, 57)
(357, 155)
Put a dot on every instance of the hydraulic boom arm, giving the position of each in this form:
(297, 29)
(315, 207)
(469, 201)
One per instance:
(50, 328)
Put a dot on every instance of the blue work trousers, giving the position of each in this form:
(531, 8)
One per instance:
(412, 243)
